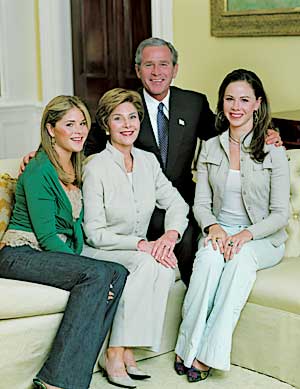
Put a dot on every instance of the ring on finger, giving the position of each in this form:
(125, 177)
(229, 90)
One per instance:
(230, 243)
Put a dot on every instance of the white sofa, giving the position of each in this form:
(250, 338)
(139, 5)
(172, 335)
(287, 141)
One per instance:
(267, 338)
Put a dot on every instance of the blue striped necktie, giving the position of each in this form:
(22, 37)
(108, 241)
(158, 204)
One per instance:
(162, 129)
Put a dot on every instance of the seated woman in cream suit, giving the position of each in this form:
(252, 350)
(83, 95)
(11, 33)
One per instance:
(241, 204)
(121, 187)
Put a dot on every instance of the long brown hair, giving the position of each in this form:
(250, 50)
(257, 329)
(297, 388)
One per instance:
(261, 122)
(53, 112)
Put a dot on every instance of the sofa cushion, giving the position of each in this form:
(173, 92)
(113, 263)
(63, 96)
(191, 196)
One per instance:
(278, 287)
(292, 245)
(21, 299)
(7, 191)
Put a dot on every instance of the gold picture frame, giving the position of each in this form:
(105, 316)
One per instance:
(257, 22)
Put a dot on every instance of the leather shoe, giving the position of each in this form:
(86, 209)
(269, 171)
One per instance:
(136, 373)
(120, 381)
(38, 384)
(195, 375)
(180, 368)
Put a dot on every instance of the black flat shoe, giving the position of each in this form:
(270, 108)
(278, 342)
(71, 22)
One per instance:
(195, 375)
(39, 384)
(179, 367)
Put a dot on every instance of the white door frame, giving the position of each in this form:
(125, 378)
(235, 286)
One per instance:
(162, 19)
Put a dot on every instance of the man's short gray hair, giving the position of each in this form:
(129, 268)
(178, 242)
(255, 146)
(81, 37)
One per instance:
(155, 42)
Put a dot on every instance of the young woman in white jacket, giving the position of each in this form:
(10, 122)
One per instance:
(241, 205)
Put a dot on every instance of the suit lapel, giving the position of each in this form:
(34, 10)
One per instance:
(176, 130)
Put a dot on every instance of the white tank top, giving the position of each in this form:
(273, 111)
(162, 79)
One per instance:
(233, 211)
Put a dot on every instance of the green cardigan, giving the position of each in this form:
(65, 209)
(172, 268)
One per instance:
(43, 207)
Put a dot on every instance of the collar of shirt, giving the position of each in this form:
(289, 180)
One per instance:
(152, 107)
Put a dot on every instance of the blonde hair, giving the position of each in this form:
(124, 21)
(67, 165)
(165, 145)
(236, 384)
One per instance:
(53, 112)
(113, 98)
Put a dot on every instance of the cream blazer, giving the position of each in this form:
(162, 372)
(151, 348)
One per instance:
(117, 212)
(265, 188)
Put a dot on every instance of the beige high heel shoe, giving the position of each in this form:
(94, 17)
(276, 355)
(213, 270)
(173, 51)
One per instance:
(120, 381)
(137, 374)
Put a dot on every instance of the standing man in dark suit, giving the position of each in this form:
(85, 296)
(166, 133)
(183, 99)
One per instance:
(188, 118)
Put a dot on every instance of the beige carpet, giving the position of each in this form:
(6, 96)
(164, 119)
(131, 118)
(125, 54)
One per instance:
(163, 376)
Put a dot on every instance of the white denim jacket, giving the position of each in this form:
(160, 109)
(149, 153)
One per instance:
(265, 188)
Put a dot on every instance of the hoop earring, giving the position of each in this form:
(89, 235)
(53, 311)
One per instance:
(220, 116)
(255, 117)
(53, 141)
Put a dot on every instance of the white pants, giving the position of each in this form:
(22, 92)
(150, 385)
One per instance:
(216, 295)
(141, 311)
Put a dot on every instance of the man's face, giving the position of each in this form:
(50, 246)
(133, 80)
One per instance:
(156, 70)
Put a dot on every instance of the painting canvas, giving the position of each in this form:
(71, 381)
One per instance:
(255, 17)
(262, 5)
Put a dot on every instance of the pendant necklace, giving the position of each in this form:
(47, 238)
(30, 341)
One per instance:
(234, 140)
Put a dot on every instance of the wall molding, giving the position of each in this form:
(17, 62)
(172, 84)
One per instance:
(56, 48)
(2, 51)
(162, 19)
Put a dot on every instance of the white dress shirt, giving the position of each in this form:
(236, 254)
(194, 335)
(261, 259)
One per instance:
(152, 107)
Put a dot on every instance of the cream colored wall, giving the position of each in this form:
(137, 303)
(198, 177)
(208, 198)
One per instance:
(205, 60)
(18, 43)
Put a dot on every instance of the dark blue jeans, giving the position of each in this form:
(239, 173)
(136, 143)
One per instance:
(88, 314)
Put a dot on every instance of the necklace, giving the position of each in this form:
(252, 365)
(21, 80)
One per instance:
(234, 140)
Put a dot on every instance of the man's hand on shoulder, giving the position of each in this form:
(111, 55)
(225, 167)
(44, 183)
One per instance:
(273, 138)
(25, 161)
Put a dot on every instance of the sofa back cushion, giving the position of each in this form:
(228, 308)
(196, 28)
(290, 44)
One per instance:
(10, 166)
(8, 173)
(293, 228)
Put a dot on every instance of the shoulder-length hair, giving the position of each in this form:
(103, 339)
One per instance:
(53, 112)
(262, 120)
(113, 98)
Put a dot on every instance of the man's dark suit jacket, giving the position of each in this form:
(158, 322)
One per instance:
(189, 118)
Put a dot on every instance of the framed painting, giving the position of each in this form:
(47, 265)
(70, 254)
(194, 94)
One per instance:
(255, 17)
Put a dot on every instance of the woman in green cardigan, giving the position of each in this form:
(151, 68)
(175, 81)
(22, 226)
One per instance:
(44, 241)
